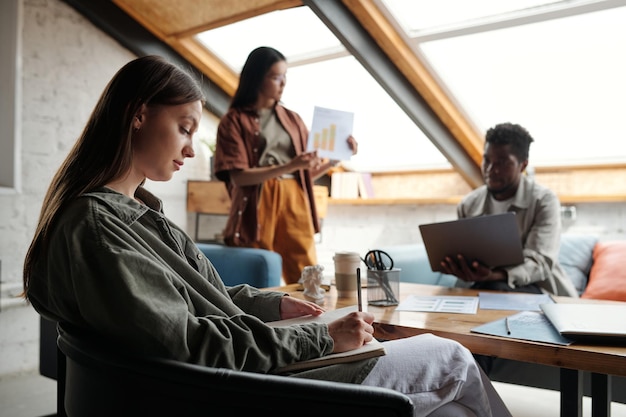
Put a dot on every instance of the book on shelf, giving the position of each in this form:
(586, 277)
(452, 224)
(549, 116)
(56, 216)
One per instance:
(345, 185)
(369, 350)
(366, 189)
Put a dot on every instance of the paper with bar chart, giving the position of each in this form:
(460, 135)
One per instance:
(329, 133)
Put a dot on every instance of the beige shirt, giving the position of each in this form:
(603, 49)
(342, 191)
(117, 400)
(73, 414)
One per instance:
(279, 148)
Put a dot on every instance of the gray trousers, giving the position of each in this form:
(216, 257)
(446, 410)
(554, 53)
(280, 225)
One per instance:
(439, 375)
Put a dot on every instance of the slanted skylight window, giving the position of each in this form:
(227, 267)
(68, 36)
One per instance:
(322, 73)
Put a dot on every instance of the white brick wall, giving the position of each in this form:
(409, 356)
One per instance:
(66, 63)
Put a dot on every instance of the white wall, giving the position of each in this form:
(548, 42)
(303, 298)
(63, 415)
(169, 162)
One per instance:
(66, 63)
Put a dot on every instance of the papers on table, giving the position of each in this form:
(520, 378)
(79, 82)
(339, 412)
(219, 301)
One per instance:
(329, 133)
(440, 304)
(469, 305)
(513, 301)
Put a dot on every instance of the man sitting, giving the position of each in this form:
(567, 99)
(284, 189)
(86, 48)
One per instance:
(538, 217)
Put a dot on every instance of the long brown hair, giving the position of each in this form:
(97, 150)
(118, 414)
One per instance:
(258, 63)
(103, 152)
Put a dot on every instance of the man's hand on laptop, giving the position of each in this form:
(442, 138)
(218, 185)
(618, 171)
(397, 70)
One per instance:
(472, 271)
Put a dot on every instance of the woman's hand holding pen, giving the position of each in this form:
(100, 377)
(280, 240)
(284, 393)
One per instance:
(351, 331)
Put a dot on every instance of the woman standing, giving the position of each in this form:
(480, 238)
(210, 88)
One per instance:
(261, 155)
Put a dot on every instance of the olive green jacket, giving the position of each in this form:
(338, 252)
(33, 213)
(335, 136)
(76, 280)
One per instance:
(120, 270)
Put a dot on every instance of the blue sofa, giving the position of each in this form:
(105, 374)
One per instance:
(257, 267)
(576, 258)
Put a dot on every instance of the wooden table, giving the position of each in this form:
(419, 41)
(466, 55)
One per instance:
(601, 361)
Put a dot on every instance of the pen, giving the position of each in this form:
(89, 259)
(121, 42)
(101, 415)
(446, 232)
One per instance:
(358, 288)
(506, 323)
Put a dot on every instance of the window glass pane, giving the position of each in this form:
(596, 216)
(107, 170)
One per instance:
(417, 15)
(294, 32)
(562, 79)
(388, 139)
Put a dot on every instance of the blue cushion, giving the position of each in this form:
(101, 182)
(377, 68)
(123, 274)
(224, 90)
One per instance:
(576, 257)
(415, 267)
(257, 267)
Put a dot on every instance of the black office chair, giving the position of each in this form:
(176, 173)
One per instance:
(97, 382)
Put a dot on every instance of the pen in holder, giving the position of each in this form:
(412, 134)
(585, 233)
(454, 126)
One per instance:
(383, 286)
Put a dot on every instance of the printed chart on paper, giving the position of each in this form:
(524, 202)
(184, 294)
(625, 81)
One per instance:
(440, 304)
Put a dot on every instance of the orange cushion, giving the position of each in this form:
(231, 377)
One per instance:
(607, 279)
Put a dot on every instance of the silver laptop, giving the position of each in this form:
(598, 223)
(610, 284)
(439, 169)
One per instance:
(492, 240)
(588, 322)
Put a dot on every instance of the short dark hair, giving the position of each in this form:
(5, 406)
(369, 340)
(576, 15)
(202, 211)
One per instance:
(511, 134)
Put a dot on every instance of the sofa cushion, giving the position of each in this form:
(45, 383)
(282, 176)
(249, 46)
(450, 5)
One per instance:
(607, 279)
(412, 260)
(576, 257)
(257, 267)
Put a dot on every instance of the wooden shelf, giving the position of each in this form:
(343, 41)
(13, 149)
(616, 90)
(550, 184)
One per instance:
(589, 184)
(207, 197)
(567, 199)
(392, 201)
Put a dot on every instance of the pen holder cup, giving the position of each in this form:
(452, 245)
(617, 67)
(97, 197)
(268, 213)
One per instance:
(383, 287)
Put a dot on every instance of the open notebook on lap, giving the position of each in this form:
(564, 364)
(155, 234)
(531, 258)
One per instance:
(587, 322)
(493, 240)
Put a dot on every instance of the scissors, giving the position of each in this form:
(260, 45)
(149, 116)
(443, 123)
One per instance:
(378, 260)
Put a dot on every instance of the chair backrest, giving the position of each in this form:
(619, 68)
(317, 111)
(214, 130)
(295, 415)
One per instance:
(258, 267)
(98, 382)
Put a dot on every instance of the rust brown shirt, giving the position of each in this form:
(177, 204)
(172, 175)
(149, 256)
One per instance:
(239, 146)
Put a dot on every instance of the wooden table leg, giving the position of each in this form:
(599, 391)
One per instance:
(600, 395)
(571, 393)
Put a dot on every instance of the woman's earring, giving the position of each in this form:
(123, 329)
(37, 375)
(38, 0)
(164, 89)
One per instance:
(136, 124)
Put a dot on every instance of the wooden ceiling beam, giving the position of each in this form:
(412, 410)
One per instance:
(114, 21)
(245, 9)
(165, 19)
(207, 63)
(183, 18)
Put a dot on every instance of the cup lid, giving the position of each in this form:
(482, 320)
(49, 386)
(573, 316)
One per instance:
(346, 255)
